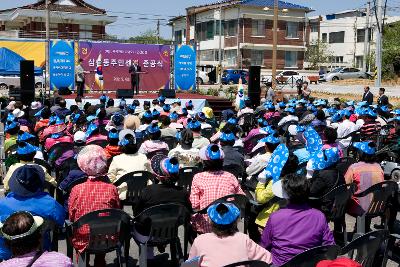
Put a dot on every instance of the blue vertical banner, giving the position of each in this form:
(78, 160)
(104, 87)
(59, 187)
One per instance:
(62, 64)
(185, 67)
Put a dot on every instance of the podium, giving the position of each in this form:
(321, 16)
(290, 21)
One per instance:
(137, 77)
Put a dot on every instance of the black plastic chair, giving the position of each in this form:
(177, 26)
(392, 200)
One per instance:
(207, 132)
(51, 229)
(170, 141)
(249, 264)
(163, 221)
(241, 201)
(44, 164)
(366, 247)
(136, 182)
(311, 257)
(109, 231)
(50, 188)
(186, 177)
(338, 199)
(382, 194)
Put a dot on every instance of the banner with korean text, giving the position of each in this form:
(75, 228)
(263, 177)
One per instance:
(108, 64)
(62, 64)
(185, 67)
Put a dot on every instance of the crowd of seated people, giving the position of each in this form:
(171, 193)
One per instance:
(294, 150)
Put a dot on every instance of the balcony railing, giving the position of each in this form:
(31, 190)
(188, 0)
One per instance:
(54, 35)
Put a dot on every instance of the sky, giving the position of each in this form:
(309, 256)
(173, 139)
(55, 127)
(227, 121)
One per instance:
(150, 10)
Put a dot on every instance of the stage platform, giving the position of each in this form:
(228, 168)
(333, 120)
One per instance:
(199, 101)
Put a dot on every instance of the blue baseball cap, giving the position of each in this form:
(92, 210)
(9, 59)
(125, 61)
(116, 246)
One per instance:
(227, 136)
(290, 110)
(153, 128)
(148, 115)
(39, 113)
(173, 116)
(131, 108)
(267, 130)
(25, 148)
(164, 167)
(282, 105)
(90, 129)
(189, 104)
(232, 121)
(10, 125)
(223, 213)
(269, 105)
(161, 98)
(24, 136)
(271, 139)
(211, 152)
(117, 119)
(324, 158)
(193, 124)
(113, 134)
(167, 107)
(365, 147)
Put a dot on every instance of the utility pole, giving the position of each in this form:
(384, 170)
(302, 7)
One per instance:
(46, 80)
(220, 47)
(378, 53)
(366, 38)
(274, 43)
(158, 31)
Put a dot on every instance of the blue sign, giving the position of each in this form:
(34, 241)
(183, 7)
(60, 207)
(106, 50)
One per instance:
(62, 64)
(185, 67)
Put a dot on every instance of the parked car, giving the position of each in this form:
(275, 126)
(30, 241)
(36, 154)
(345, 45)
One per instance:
(343, 74)
(202, 77)
(288, 76)
(13, 80)
(231, 76)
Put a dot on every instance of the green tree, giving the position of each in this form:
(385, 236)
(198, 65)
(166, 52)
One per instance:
(391, 50)
(148, 37)
(317, 53)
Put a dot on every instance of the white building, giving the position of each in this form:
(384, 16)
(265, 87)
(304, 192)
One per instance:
(344, 33)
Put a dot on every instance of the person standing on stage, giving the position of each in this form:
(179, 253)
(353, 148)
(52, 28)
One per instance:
(135, 79)
(80, 78)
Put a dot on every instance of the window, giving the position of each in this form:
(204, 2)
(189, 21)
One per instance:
(336, 37)
(337, 59)
(291, 59)
(292, 29)
(216, 55)
(230, 56)
(258, 27)
(361, 35)
(232, 28)
(314, 27)
(207, 55)
(217, 26)
(324, 37)
(85, 31)
(257, 57)
(359, 62)
(210, 30)
(178, 37)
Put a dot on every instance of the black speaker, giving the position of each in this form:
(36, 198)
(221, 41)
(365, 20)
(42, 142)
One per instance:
(254, 85)
(167, 93)
(124, 93)
(14, 92)
(64, 91)
(27, 81)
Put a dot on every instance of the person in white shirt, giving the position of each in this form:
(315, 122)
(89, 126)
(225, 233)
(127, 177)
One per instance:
(187, 155)
(344, 126)
(247, 109)
(289, 117)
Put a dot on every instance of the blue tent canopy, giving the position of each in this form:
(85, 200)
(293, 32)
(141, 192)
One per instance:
(10, 63)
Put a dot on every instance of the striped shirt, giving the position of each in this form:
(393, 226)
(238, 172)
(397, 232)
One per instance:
(208, 187)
